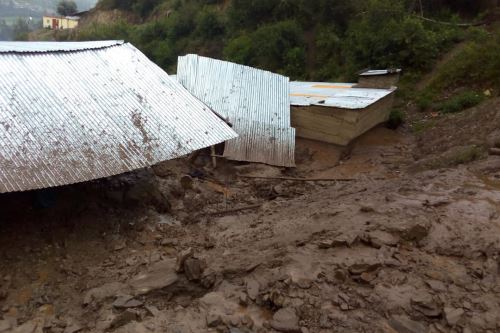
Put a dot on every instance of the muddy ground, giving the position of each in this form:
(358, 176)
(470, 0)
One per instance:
(188, 248)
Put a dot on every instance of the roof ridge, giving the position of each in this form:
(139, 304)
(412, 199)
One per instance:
(56, 47)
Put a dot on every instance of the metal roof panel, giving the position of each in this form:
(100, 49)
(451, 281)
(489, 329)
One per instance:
(68, 117)
(244, 96)
(339, 95)
(41, 47)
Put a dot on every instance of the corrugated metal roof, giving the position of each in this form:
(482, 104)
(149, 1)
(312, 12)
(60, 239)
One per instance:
(376, 72)
(68, 117)
(256, 102)
(260, 142)
(339, 95)
(35, 47)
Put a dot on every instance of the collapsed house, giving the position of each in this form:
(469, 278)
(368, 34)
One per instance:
(255, 102)
(74, 112)
(338, 112)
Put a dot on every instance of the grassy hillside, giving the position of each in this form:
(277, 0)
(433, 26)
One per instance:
(317, 40)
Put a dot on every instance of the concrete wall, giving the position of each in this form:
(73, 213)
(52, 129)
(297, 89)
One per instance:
(61, 22)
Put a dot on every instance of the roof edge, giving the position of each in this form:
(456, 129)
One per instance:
(55, 47)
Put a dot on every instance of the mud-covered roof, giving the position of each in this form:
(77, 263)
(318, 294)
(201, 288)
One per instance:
(255, 102)
(75, 112)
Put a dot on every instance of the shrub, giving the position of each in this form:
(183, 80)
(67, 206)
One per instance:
(209, 24)
(277, 47)
(477, 62)
(460, 102)
(396, 119)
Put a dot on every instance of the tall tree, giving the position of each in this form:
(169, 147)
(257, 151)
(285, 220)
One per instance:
(66, 7)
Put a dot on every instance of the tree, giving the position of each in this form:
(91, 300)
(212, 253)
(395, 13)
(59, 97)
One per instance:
(66, 7)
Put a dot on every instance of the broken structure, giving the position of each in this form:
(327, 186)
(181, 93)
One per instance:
(73, 112)
(337, 112)
(255, 102)
(379, 78)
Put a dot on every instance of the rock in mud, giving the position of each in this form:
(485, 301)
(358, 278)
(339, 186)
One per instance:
(253, 288)
(453, 315)
(286, 320)
(73, 328)
(107, 290)
(123, 319)
(161, 275)
(379, 238)
(403, 324)
(213, 320)
(4, 326)
(181, 258)
(126, 301)
(416, 232)
(193, 268)
(424, 304)
(133, 327)
(436, 285)
(361, 267)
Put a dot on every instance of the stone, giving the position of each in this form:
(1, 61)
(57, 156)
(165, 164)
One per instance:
(161, 275)
(126, 301)
(368, 277)
(436, 285)
(453, 315)
(361, 267)
(286, 320)
(73, 328)
(416, 232)
(193, 268)
(186, 182)
(4, 325)
(169, 242)
(403, 324)
(253, 288)
(345, 240)
(379, 238)
(103, 292)
(152, 310)
(133, 327)
(325, 244)
(32, 326)
(424, 304)
(123, 319)
(366, 209)
(247, 321)
(181, 258)
(213, 320)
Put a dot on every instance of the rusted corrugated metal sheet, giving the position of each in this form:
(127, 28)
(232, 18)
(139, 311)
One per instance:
(256, 102)
(73, 116)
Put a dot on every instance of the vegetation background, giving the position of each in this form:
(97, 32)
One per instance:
(320, 40)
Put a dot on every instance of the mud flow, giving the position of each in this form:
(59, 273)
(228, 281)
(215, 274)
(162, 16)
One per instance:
(371, 245)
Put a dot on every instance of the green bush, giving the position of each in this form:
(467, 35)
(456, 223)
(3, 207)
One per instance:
(277, 47)
(478, 62)
(209, 24)
(396, 119)
(460, 102)
(425, 100)
(386, 36)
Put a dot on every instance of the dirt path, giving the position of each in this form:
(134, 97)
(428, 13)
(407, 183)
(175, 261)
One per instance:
(389, 252)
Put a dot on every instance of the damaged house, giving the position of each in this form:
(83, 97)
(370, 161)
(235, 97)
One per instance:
(340, 112)
(78, 111)
(255, 102)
